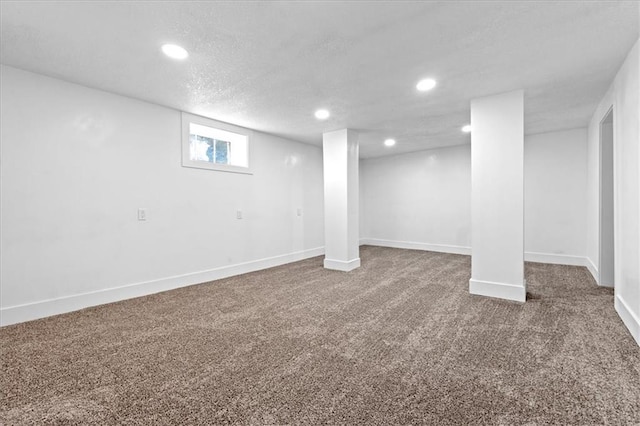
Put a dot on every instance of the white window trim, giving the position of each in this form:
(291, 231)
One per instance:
(197, 119)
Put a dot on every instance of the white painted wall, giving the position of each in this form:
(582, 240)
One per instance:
(555, 196)
(624, 96)
(422, 200)
(77, 163)
(419, 200)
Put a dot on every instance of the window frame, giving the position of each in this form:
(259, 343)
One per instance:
(187, 119)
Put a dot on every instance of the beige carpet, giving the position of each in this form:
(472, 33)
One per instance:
(398, 341)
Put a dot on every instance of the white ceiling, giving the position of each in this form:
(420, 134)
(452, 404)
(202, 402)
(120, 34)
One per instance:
(270, 65)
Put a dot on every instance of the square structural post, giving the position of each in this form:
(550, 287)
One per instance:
(497, 196)
(341, 221)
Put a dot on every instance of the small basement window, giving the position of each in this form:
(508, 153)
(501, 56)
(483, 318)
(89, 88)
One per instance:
(212, 145)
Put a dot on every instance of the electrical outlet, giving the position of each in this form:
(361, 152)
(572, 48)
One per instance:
(238, 214)
(142, 214)
(299, 211)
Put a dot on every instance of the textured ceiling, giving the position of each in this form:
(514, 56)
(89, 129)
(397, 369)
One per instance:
(270, 65)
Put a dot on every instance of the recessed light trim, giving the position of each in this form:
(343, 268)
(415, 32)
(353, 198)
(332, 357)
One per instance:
(175, 52)
(426, 84)
(322, 114)
(389, 142)
(466, 128)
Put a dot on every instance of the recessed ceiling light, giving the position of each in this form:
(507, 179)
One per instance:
(426, 84)
(322, 114)
(466, 128)
(389, 142)
(174, 51)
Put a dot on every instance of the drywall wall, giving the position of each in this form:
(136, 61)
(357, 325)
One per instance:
(422, 200)
(555, 196)
(77, 164)
(624, 97)
(419, 200)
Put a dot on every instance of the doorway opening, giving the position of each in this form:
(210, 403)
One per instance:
(607, 252)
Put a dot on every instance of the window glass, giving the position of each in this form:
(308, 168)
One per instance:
(212, 145)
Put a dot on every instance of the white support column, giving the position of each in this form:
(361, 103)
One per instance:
(341, 227)
(497, 196)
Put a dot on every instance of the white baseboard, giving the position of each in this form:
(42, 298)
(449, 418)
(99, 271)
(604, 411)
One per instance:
(630, 320)
(499, 290)
(340, 265)
(441, 248)
(556, 259)
(594, 271)
(45, 308)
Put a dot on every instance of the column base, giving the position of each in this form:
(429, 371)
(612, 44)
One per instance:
(499, 290)
(341, 265)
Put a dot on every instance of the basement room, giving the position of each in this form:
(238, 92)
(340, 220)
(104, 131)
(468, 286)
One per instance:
(320, 212)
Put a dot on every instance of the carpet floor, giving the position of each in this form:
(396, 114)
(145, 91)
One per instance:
(398, 341)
